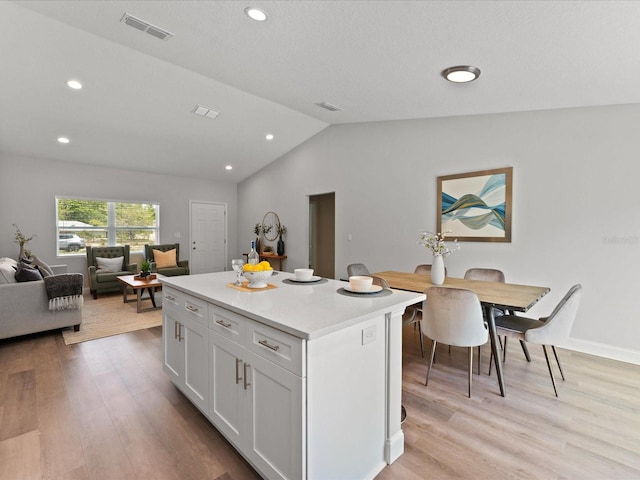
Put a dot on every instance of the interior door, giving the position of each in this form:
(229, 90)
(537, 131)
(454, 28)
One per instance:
(322, 245)
(208, 237)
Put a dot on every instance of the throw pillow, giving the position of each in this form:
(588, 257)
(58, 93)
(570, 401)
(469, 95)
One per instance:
(8, 270)
(110, 265)
(43, 267)
(165, 259)
(26, 273)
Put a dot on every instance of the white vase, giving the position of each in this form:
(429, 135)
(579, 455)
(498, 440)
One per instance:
(437, 270)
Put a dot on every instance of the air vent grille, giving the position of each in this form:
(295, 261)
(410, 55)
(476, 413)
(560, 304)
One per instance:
(205, 111)
(143, 26)
(328, 106)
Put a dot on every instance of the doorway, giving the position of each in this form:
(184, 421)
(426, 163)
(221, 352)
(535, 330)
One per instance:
(208, 237)
(322, 227)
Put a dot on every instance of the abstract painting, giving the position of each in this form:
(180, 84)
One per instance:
(476, 206)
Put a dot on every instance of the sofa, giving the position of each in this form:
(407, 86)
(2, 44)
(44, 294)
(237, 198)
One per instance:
(105, 279)
(24, 306)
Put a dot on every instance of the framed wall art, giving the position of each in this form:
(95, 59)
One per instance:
(476, 206)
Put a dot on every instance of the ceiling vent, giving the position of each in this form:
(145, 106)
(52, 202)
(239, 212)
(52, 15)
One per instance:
(328, 106)
(143, 26)
(205, 111)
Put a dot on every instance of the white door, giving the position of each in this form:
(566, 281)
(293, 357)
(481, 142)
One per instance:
(208, 237)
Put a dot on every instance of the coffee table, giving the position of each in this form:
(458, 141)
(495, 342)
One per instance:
(138, 286)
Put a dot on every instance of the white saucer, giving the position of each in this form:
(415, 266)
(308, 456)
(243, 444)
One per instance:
(311, 280)
(372, 289)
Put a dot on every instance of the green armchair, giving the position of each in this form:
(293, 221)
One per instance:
(106, 279)
(181, 267)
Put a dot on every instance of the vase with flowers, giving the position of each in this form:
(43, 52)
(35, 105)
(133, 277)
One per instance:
(436, 243)
(280, 245)
(21, 239)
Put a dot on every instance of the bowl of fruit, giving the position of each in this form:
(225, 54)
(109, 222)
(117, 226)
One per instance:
(257, 274)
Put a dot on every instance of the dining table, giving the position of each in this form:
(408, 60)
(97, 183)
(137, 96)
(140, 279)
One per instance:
(505, 296)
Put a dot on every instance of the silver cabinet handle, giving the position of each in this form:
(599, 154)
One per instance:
(175, 329)
(246, 383)
(225, 325)
(180, 337)
(238, 377)
(170, 298)
(264, 343)
(191, 309)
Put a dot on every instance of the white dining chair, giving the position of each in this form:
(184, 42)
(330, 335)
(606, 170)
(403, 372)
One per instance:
(453, 316)
(551, 330)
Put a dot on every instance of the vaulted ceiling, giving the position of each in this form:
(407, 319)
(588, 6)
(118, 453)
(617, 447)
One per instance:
(376, 60)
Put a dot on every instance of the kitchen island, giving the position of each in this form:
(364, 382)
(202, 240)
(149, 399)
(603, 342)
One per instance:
(302, 379)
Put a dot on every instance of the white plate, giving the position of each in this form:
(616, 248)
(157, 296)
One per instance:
(372, 289)
(311, 280)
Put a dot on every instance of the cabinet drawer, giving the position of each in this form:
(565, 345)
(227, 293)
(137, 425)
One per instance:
(277, 346)
(185, 306)
(228, 324)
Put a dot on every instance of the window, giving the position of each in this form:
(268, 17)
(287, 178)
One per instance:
(98, 223)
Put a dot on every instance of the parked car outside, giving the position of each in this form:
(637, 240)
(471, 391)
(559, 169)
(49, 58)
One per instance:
(70, 242)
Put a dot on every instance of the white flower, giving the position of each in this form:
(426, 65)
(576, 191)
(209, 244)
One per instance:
(435, 243)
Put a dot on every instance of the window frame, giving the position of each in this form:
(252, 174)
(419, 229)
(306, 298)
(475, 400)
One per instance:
(111, 229)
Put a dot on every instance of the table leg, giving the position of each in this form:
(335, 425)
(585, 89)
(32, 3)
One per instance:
(495, 352)
(139, 299)
(153, 298)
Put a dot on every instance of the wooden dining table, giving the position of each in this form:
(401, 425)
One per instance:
(507, 296)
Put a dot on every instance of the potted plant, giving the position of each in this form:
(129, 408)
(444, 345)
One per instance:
(268, 250)
(145, 268)
(281, 231)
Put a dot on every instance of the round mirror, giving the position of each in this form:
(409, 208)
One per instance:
(270, 224)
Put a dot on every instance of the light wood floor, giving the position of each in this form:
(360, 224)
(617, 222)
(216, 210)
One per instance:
(105, 410)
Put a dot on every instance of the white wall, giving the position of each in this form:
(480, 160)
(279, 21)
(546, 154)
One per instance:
(575, 204)
(28, 188)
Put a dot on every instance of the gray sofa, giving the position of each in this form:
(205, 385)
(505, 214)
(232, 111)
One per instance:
(24, 309)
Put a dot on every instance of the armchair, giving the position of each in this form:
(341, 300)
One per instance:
(106, 280)
(181, 267)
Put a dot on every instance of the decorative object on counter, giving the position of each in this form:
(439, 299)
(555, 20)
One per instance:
(253, 258)
(476, 206)
(360, 283)
(257, 274)
(21, 239)
(280, 245)
(436, 243)
(303, 274)
(237, 264)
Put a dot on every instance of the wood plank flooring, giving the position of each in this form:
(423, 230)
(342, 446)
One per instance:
(104, 409)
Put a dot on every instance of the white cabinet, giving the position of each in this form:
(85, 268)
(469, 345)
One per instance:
(186, 346)
(257, 404)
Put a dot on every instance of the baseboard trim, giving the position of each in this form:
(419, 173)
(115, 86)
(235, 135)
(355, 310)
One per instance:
(603, 350)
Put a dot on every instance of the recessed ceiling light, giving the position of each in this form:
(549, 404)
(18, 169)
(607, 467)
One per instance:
(269, 136)
(255, 14)
(63, 140)
(228, 167)
(76, 85)
(461, 73)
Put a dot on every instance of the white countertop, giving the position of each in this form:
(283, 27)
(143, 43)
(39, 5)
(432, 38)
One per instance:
(306, 311)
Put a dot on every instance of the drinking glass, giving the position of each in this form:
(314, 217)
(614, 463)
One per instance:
(237, 264)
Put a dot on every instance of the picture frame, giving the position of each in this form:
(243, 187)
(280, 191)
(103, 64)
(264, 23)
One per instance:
(476, 206)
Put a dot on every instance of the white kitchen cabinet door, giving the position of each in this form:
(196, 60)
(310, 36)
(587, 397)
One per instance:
(195, 338)
(173, 348)
(275, 435)
(226, 406)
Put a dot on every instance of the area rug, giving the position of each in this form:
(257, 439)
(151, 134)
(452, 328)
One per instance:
(108, 316)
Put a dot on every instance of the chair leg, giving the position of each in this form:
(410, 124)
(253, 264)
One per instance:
(525, 350)
(470, 373)
(558, 361)
(421, 338)
(504, 350)
(433, 353)
(553, 380)
(479, 357)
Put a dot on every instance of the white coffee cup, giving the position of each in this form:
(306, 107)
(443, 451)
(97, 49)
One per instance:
(359, 283)
(303, 274)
